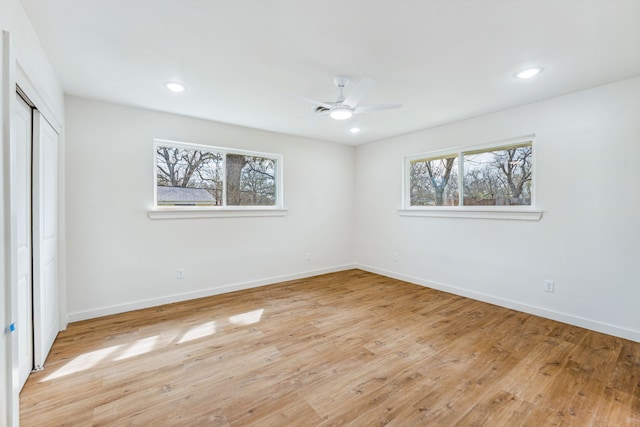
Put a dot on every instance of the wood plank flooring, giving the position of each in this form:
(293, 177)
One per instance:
(349, 348)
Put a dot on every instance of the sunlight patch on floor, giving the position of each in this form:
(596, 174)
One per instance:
(247, 318)
(139, 347)
(83, 362)
(200, 331)
(146, 345)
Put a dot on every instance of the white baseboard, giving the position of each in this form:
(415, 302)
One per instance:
(630, 334)
(153, 302)
(606, 328)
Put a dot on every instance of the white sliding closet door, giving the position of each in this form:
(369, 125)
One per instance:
(21, 123)
(45, 237)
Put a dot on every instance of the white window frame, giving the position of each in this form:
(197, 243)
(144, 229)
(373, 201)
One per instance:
(530, 213)
(224, 211)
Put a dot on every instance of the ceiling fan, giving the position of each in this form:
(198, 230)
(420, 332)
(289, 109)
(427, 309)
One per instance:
(344, 107)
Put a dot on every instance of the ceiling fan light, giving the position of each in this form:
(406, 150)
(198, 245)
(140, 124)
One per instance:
(341, 113)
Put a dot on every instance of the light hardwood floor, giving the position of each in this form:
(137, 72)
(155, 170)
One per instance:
(349, 348)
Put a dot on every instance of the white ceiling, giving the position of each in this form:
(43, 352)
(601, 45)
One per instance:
(445, 60)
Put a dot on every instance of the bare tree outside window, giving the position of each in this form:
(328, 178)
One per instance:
(251, 181)
(179, 169)
(434, 182)
(498, 177)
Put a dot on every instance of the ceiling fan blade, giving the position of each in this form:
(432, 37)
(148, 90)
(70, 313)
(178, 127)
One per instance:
(310, 100)
(359, 92)
(378, 107)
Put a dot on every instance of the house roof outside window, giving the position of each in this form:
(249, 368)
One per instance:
(184, 196)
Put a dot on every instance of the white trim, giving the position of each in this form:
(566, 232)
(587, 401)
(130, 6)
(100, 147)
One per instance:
(466, 148)
(153, 302)
(606, 328)
(40, 99)
(206, 147)
(10, 238)
(222, 212)
(602, 327)
(8, 395)
(499, 213)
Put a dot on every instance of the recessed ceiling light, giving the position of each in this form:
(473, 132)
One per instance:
(175, 87)
(354, 129)
(529, 72)
(341, 113)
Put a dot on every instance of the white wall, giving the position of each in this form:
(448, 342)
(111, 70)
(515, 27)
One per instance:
(587, 150)
(34, 73)
(118, 259)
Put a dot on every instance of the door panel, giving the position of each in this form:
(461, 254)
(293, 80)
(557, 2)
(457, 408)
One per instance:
(21, 122)
(45, 237)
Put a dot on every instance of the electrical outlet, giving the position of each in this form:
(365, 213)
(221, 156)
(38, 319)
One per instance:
(180, 273)
(549, 286)
(395, 257)
(308, 256)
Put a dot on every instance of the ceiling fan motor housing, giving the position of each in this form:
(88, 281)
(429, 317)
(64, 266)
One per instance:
(341, 81)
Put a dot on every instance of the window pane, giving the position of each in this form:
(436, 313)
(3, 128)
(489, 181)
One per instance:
(251, 181)
(434, 182)
(498, 177)
(187, 177)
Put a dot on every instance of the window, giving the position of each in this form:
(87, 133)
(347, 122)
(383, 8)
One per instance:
(497, 177)
(251, 180)
(434, 181)
(200, 176)
(188, 176)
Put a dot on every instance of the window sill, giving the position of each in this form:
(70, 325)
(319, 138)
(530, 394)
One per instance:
(508, 214)
(185, 213)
